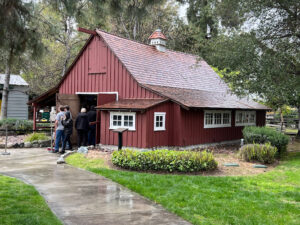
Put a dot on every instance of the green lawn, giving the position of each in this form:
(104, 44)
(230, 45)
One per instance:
(21, 204)
(269, 198)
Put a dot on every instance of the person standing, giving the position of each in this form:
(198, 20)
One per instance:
(82, 127)
(68, 130)
(59, 129)
(92, 115)
(68, 144)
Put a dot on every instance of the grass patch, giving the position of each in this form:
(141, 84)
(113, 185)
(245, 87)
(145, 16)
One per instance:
(36, 137)
(21, 204)
(269, 198)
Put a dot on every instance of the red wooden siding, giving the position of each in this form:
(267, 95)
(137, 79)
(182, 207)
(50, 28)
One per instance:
(114, 78)
(135, 138)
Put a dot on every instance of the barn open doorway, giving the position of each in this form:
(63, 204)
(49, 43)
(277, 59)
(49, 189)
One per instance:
(88, 100)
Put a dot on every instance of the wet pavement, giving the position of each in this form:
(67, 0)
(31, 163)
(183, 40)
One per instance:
(80, 197)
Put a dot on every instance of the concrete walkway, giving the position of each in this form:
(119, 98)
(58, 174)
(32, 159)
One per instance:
(80, 197)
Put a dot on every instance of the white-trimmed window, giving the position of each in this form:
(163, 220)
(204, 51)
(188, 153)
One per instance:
(159, 121)
(245, 118)
(122, 120)
(217, 118)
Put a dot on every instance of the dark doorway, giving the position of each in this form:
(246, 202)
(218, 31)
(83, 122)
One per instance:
(86, 101)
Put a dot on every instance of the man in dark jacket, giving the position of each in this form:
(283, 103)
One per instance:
(92, 115)
(82, 127)
(68, 130)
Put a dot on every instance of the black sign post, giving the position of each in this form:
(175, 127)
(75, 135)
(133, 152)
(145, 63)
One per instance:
(120, 132)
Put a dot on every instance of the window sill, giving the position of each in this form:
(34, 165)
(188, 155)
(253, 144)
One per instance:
(160, 129)
(245, 124)
(217, 126)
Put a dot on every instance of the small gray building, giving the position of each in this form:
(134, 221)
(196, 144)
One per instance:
(17, 97)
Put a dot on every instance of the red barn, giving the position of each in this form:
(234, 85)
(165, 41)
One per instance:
(163, 97)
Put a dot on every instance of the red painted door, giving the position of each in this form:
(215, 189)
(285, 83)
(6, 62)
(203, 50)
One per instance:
(102, 99)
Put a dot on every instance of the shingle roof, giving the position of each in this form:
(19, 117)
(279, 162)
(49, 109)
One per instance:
(157, 34)
(14, 80)
(180, 76)
(133, 104)
(205, 99)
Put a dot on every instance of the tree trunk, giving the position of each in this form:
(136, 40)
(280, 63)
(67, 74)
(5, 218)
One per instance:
(298, 134)
(281, 120)
(66, 59)
(5, 91)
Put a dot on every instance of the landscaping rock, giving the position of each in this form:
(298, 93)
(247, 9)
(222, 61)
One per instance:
(60, 160)
(45, 143)
(21, 145)
(83, 150)
(27, 145)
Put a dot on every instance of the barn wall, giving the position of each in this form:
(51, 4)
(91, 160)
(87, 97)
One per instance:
(99, 70)
(135, 138)
(193, 131)
(261, 118)
(17, 99)
(160, 138)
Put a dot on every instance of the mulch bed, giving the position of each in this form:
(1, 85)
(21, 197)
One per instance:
(223, 154)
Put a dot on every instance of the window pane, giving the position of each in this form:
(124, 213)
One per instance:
(239, 118)
(218, 117)
(125, 123)
(130, 124)
(115, 123)
(115, 117)
(226, 118)
(252, 118)
(157, 124)
(208, 118)
(125, 118)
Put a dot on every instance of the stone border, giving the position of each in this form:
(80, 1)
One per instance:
(61, 159)
(35, 144)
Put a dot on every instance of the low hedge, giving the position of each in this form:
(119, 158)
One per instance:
(164, 160)
(264, 153)
(16, 124)
(263, 135)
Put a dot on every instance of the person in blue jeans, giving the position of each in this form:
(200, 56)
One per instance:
(59, 133)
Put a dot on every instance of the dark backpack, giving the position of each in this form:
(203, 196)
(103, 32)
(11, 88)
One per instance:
(67, 123)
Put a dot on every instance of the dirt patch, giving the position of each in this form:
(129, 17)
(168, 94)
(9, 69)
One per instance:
(222, 156)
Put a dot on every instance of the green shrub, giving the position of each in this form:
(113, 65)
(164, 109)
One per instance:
(164, 160)
(16, 124)
(264, 153)
(262, 135)
(36, 137)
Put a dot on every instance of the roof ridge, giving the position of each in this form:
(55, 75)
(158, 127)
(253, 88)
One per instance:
(126, 38)
(139, 42)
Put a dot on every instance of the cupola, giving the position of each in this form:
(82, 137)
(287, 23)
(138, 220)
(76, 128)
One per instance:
(159, 40)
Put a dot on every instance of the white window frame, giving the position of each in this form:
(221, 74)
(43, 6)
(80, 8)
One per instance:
(122, 114)
(163, 114)
(213, 119)
(244, 112)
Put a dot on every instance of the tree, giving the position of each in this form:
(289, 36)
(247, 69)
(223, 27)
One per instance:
(57, 22)
(256, 46)
(17, 36)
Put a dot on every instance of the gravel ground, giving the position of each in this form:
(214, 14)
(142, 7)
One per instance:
(13, 139)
